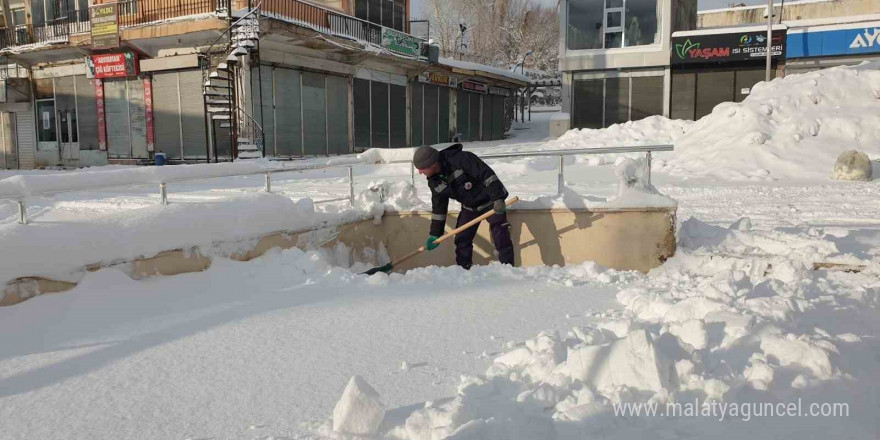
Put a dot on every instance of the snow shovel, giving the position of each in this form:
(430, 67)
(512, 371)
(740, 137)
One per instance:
(387, 268)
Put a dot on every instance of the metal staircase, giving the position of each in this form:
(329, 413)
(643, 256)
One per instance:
(235, 133)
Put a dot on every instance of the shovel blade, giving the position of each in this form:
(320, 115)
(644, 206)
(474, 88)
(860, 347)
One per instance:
(386, 268)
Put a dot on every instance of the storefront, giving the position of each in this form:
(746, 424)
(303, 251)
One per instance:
(601, 99)
(432, 93)
(481, 111)
(819, 47)
(302, 113)
(714, 66)
(379, 110)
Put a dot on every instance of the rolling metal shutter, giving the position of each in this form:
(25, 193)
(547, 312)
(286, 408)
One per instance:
(684, 93)
(379, 104)
(337, 114)
(486, 118)
(443, 117)
(474, 117)
(288, 113)
(398, 116)
(713, 88)
(418, 107)
(647, 97)
(86, 113)
(265, 111)
(461, 117)
(24, 127)
(192, 115)
(166, 113)
(361, 113)
(117, 119)
(431, 102)
(138, 117)
(314, 108)
(497, 117)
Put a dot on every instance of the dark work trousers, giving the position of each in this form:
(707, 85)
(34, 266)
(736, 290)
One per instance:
(464, 241)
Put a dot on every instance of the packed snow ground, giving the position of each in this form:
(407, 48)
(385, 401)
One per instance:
(263, 349)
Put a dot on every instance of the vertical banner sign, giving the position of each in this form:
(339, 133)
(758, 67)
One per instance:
(148, 111)
(105, 26)
(99, 105)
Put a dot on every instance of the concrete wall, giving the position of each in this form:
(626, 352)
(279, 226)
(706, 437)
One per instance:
(791, 11)
(632, 239)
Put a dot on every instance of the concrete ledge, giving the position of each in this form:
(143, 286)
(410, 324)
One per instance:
(623, 239)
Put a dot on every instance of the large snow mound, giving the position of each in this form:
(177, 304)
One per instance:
(789, 128)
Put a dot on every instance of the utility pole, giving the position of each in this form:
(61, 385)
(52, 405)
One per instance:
(769, 39)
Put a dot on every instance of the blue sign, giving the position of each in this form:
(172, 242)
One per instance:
(833, 42)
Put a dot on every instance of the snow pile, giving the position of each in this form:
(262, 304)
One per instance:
(383, 196)
(359, 411)
(704, 326)
(792, 127)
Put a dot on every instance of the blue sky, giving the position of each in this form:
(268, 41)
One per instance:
(703, 4)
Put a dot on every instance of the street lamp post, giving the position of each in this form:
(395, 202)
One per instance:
(523, 97)
(769, 38)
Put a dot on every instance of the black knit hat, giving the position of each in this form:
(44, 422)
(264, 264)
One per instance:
(425, 156)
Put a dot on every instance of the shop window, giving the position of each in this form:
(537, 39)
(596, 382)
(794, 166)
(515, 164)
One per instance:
(587, 96)
(647, 97)
(597, 24)
(46, 121)
(388, 13)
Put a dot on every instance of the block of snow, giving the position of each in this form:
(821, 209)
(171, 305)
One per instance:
(633, 361)
(692, 332)
(790, 351)
(852, 165)
(359, 411)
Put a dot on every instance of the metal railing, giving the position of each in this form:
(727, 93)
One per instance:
(137, 12)
(163, 185)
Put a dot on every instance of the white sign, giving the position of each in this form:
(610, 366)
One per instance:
(866, 39)
(745, 91)
(46, 117)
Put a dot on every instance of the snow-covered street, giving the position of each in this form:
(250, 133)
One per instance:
(772, 296)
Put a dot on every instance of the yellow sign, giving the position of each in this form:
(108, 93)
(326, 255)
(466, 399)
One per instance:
(105, 26)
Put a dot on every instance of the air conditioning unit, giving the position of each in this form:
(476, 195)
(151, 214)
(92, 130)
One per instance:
(431, 52)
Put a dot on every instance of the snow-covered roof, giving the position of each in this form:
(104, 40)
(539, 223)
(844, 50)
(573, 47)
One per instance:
(764, 6)
(729, 30)
(467, 65)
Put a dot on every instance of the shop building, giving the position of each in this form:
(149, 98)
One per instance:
(210, 80)
(614, 57)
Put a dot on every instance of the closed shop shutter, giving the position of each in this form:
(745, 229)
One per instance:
(497, 117)
(587, 102)
(713, 88)
(443, 119)
(314, 102)
(86, 113)
(138, 118)
(288, 114)
(379, 105)
(192, 115)
(8, 153)
(486, 122)
(398, 116)
(337, 114)
(616, 101)
(24, 127)
(474, 117)
(166, 114)
(418, 99)
(745, 80)
(461, 116)
(264, 114)
(361, 113)
(684, 93)
(117, 114)
(647, 97)
(430, 114)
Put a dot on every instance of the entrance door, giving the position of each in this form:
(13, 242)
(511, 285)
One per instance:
(8, 149)
(69, 130)
(47, 129)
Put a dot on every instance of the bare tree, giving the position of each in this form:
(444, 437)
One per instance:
(499, 32)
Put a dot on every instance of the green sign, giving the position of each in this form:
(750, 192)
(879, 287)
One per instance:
(399, 42)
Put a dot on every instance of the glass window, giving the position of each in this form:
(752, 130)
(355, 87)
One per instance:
(19, 17)
(388, 13)
(399, 15)
(613, 40)
(584, 30)
(613, 3)
(640, 22)
(587, 98)
(46, 121)
(614, 19)
(375, 11)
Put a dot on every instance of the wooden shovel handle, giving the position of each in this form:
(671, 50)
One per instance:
(453, 232)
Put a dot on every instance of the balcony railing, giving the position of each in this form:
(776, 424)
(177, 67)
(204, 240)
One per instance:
(140, 12)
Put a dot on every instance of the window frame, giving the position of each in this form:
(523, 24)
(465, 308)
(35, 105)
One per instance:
(605, 30)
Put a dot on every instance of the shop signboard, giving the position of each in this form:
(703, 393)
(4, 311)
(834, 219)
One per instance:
(401, 43)
(499, 91)
(113, 65)
(438, 78)
(831, 42)
(715, 48)
(105, 26)
(473, 86)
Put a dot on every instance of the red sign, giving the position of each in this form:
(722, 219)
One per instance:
(99, 104)
(148, 111)
(114, 65)
(472, 86)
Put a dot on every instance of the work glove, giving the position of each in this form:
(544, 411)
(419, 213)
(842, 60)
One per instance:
(430, 243)
(499, 207)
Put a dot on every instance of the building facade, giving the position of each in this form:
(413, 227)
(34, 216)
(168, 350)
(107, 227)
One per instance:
(213, 80)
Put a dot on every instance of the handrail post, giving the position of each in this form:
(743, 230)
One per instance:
(560, 178)
(22, 212)
(648, 164)
(412, 174)
(163, 194)
(351, 186)
(268, 183)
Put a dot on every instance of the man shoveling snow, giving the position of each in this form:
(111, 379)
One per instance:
(461, 175)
